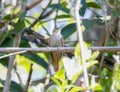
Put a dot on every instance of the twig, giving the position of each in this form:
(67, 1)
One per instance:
(55, 21)
(2, 8)
(11, 64)
(29, 79)
(20, 79)
(11, 54)
(33, 4)
(78, 21)
(45, 29)
(110, 5)
(106, 38)
(42, 16)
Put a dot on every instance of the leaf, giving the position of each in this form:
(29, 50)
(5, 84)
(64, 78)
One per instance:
(24, 43)
(4, 62)
(59, 7)
(93, 56)
(60, 75)
(83, 9)
(37, 59)
(63, 16)
(19, 26)
(89, 23)
(76, 89)
(72, 67)
(14, 87)
(7, 17)
(56, 81)
(53, 88)
(116, 76)
(90, 64)
(77, 52)
(97, 87)
(8, 41)
(105, 82)
(22, 15)
(76, 77)
(68, 30)
(93, 5)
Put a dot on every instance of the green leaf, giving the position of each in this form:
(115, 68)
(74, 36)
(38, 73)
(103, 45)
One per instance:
(93, 56)
(19, 27)
(83, 9)
(115, 13)
(7, 17)
(56, 81)
(4, 61)
(76, 89)
(68, 30)
(8, 41)
(89, 23)
(63, 16)
(53, 88)
(24, 43)
(76, 77)
(105, 82)
(60, 75)
(22, 15)
(37, 59)
(15, 87)
(59, 7)
(97, 87)
(93, 5)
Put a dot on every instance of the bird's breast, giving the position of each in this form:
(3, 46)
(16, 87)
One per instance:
(56, 40)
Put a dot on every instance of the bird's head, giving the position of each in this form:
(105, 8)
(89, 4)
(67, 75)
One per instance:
(57, 30)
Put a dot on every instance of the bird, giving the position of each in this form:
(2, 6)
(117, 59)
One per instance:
(56, 40)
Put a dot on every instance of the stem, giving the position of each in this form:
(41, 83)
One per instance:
(78, 21)
(29, 79)
(11, 64)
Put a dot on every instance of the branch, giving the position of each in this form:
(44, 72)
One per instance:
(106, 48)
(11, 54)
(11, 64)
(79, 29)
(29, 78)
(35, 50)
(57, 49)
(33, 4)
(42, 16)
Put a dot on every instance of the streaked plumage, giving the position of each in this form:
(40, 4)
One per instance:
(56, 40)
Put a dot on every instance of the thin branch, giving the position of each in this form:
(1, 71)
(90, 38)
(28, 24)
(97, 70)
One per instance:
(42, 16)
(78, 23)
(11, 64)
(33, 4)
(20, 79)
(106, 38)
(45, 29)
(110, 5)
(29, 79)
(11, 54)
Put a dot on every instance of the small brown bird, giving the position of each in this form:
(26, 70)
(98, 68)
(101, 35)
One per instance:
(56, 40)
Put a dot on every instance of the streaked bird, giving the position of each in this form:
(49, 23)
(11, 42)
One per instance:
(56, 40)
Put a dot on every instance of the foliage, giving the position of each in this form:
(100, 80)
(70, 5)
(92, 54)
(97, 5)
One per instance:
(35, 28)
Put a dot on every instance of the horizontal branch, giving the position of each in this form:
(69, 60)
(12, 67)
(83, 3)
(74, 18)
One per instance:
(58, 49)
(106, 48)
(36, 50)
